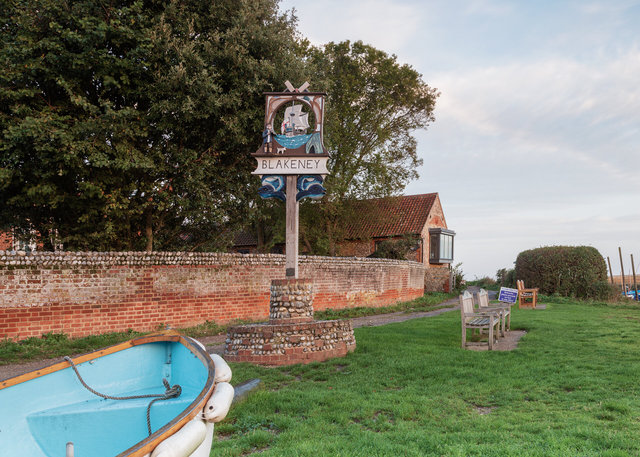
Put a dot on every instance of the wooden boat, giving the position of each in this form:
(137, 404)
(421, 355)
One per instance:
(124, 400)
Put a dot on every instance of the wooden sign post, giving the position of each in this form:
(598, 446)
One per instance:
(292, 164)
(292, 225)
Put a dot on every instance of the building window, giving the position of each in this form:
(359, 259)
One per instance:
(441, 245)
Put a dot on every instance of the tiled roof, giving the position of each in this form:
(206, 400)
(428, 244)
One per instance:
(245, 239)
(393, 216)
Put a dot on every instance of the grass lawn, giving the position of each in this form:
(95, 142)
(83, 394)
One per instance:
(570, 389)
(59, 344)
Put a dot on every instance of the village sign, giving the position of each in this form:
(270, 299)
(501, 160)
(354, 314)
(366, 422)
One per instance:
(292, 164)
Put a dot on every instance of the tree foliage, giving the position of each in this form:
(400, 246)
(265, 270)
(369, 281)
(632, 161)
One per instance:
(374, 106)
(506, 277)
(128, 124)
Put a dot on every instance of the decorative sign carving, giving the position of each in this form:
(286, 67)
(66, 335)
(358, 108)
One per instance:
(293, 163)
(298, 148)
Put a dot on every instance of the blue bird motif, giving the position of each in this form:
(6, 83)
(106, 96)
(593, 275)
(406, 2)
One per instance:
(310, 186)
(273, 186)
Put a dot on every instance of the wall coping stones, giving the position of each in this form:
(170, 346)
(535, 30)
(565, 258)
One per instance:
(84, 259)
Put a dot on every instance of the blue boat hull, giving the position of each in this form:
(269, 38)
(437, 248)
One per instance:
(44, 410)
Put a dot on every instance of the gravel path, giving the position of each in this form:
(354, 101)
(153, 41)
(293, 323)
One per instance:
(215, 344)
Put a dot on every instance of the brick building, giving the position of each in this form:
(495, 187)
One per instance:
(10, 242)
(420, 216)
(381, 219)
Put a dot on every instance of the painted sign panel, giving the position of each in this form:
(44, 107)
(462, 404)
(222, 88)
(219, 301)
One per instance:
(283, 165)
(508, 295)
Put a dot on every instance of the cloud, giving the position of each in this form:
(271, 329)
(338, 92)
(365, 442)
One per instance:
(386, 24)
(587, 113)
(537, 134)
(536, 153)
(600, 8)
(488, 8)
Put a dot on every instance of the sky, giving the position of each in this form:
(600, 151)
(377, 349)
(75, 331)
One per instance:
(536, 140)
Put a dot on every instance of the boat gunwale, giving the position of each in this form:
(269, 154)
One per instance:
(147, 445)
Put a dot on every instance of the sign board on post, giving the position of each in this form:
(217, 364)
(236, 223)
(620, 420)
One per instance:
(508, 295)
(292, 165)
(283, 165)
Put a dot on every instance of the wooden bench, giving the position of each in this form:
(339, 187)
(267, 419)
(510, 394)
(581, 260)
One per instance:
(503, 308)
(526, 297)
(477, 320)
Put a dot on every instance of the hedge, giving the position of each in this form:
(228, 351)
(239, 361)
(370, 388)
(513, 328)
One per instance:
(570, 271)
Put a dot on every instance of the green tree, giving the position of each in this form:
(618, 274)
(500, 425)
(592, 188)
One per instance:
(506, 277)
(127, 125)
(374, 106)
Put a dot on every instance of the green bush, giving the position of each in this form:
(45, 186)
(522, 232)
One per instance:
(569, 271)
(506, 278)
(486, 283)
(458, 277)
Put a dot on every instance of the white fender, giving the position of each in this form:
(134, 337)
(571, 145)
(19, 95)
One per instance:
(199, 344)
(223, 372)
(219, 403)
(204, 450)
(183, 442)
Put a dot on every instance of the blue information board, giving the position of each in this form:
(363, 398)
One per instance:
(508, 295)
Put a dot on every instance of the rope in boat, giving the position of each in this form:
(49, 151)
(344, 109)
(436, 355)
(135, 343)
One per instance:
(170, 392)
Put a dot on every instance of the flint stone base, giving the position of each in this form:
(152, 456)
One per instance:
(288, 344)
(291, 336)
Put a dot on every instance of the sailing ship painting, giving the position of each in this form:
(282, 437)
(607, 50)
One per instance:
(293, 141)
(295, 121)
(294, 128)
(153, 396)
(297, 135)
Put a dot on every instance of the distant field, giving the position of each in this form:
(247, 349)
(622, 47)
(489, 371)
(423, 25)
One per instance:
(570, 389)
(628, 279)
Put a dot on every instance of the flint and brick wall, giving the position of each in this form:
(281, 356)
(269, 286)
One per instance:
(437, 279)
(82, 293)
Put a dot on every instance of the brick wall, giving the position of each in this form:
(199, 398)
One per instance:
(6, 240)
(83, 293)
(437, 279)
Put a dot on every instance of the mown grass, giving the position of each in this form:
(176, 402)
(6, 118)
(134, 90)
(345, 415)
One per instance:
(428, 302)
(570, 389)
(59, 344)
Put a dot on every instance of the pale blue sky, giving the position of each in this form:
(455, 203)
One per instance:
(537, 134)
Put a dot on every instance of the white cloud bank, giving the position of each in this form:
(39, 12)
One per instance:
(537, 133)
(542, 153)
